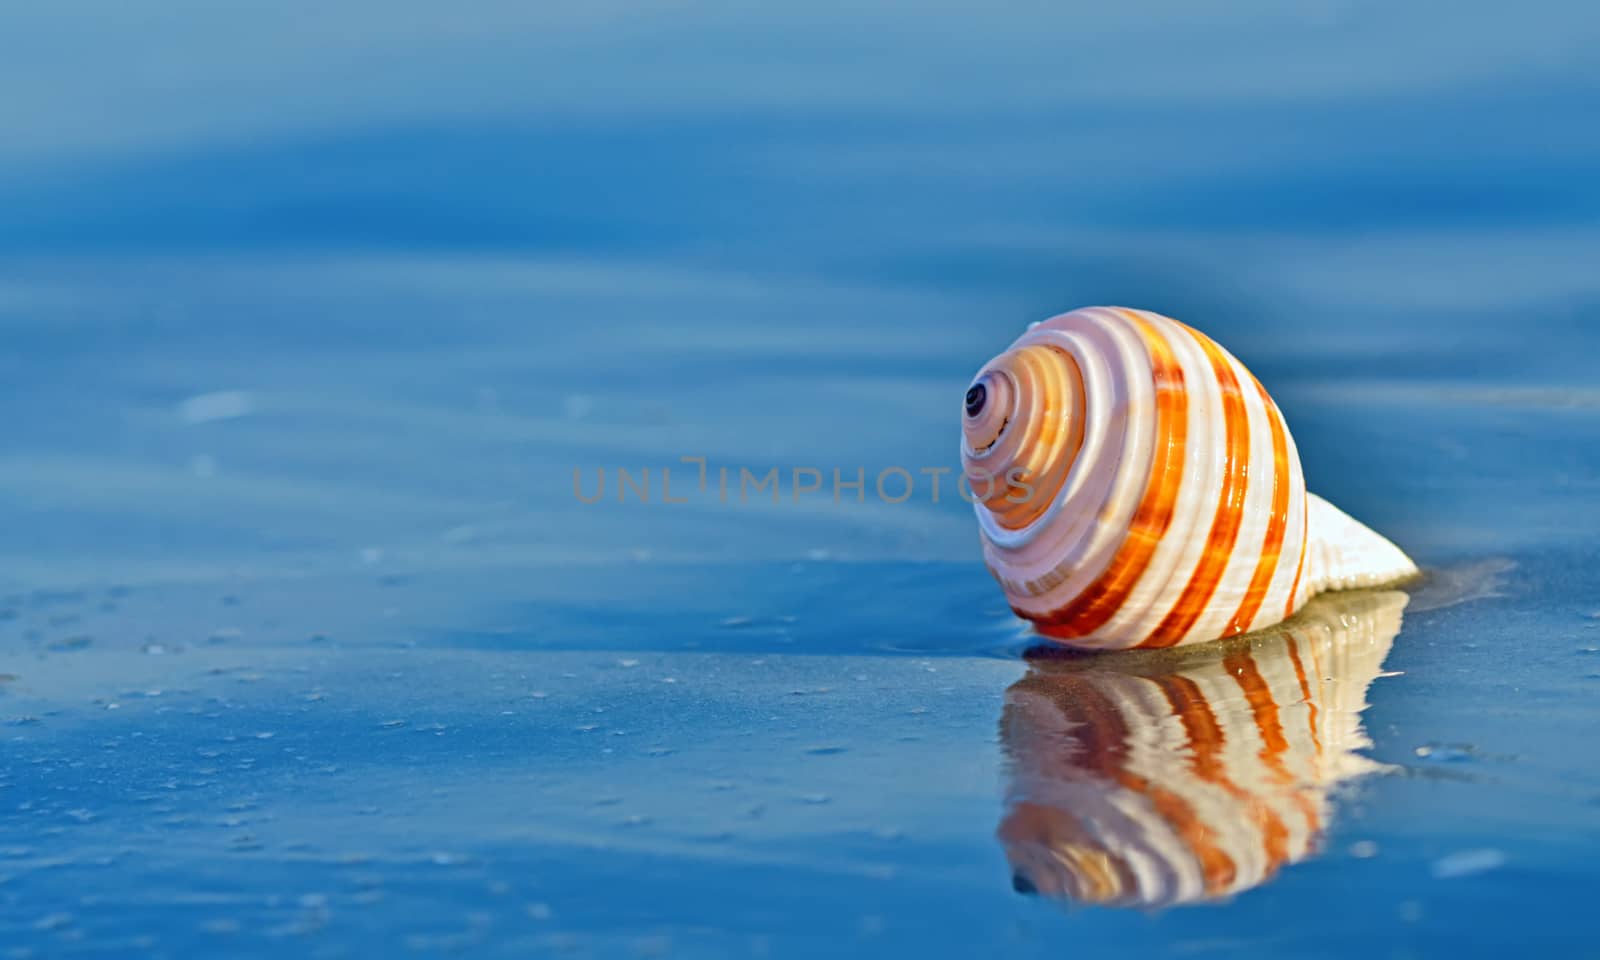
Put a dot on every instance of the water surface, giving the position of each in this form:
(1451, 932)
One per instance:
(307, 647)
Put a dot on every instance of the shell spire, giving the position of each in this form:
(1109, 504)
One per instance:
(1135, 485)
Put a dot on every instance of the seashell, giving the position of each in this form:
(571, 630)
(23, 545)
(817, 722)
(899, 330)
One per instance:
(1155, 779)
(1135, 486)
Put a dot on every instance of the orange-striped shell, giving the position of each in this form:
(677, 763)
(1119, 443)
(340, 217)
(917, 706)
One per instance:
(1192, 777)
(1136, 486)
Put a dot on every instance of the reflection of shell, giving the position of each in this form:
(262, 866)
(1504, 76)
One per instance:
(1136, 486)
(1158, 779)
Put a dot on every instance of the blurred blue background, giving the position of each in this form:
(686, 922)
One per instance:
(310, 313)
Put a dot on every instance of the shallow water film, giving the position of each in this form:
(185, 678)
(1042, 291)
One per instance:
(321, 333)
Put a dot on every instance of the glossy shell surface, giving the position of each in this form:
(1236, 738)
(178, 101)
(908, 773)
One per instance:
(1136, 485)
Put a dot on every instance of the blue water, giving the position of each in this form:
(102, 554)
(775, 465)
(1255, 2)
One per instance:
(308, 647)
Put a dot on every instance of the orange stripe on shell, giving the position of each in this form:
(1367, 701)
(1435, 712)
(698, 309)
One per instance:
(1277, 523)
(1098, 602)
(1229, 515)
(1299, 568)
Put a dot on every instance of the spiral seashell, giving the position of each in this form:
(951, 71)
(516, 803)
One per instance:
(1143, 780)
(1135, 486)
